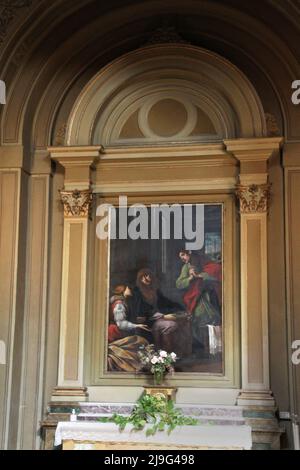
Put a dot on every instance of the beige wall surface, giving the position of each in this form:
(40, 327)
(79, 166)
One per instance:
(292, 184)
(53, 287)
(33, 353)
(254, 326)
(279, 349)
(13, 203)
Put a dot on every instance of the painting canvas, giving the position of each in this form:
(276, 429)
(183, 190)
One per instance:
(164, 294)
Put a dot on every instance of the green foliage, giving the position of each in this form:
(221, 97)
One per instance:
(155, 410)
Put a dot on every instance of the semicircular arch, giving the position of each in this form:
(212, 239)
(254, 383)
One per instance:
(192, 76)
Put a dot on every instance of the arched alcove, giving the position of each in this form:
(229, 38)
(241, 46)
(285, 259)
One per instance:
(166, 93)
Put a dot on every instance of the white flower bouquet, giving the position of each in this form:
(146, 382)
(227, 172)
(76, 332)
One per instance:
(158, 362)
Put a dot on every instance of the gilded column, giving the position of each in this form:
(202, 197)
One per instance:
(77, 199)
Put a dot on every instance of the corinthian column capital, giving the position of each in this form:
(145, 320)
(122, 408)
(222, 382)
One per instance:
(253, 198)
(77, 203)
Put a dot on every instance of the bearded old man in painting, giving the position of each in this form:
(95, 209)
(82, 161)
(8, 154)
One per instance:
(169, 323)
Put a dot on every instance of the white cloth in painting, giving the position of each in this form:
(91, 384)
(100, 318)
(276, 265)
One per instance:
(215, 339)
(120, 315)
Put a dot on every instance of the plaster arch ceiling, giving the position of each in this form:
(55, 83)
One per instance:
(137, 81)
(48, 57)
(167, 109)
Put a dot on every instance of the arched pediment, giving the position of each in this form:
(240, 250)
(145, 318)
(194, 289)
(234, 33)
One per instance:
(166, 93)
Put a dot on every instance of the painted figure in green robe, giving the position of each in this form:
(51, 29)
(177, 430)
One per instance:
(201, 282)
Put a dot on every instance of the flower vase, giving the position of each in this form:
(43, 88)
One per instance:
(158, 377)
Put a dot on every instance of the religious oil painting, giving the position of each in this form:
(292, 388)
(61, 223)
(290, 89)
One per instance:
(166, 288)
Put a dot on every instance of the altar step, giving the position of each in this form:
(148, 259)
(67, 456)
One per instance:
(206, 415)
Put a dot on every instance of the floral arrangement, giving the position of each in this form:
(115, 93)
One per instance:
(158, 362)
(155, 413)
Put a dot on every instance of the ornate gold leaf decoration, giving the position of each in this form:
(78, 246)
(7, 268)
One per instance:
(15, 3)
(77, 203)
(272, 125)
(166, 34)
(8, 11)
(253, 198)
(60, 135)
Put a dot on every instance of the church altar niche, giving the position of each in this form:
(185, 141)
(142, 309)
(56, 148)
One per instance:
(213, 153)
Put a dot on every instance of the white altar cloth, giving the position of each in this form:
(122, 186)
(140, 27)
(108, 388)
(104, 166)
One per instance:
(208, 436)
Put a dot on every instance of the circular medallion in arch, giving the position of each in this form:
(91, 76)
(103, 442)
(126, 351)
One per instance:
(167, 115)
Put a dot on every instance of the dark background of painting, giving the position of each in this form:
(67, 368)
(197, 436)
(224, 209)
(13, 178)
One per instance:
(127, 257)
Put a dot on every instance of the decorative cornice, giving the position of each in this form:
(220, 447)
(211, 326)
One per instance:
(165, 35)
(60, 135)
(20, 53)
(70, 392)
(272, 125)
(8, 13)
(77, 203)
(253, 198)
(15, 3)
(256, 149)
